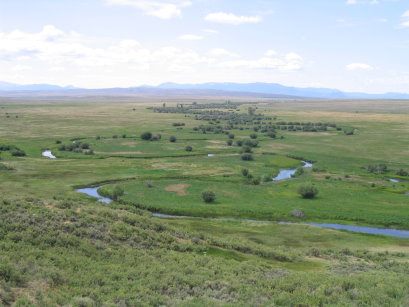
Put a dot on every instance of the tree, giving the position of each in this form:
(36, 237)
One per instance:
(307, 190)
(244, 172)
(247, 157)
(229, 142)
(146, 136)
(253, 136)
(188, 148)
(208, 196)
(172, 139)
(231, 136)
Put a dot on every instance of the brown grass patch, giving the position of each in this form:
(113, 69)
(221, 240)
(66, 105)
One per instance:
(179, 189)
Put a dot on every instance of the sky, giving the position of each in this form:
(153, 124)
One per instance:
(351, 45)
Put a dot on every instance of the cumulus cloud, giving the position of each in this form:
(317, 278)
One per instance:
(52, 54)
(230, 18)
(270, 53)
(405, 23)
(190, 37)
(359, 66)
(162, 9)
(223, 52)
(353, 2)
(287, 62)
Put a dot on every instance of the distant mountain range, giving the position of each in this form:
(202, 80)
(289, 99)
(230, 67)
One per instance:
(262, 90)
(12, 87)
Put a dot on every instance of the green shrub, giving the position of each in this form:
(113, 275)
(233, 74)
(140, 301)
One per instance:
(244, 171)
(146, 136)
(229, 142)
(247, 157)
(307, 190)
(18, 153)
(208, 196)
(253, 136)
(402, 172)
(188, 148)
(172, 139)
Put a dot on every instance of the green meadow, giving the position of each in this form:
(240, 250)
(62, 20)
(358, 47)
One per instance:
(63, 248)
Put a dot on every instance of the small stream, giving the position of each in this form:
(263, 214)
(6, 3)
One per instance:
(47, 153)
(288, 173)
(93, 192)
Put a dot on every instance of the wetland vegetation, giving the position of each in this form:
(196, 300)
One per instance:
(213, 160)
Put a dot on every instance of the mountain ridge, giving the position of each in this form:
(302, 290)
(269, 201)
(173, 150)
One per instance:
(256, 89)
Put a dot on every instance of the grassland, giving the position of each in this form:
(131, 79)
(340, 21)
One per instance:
(73, 250)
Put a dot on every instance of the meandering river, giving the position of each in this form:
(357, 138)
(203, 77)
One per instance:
(362, 229)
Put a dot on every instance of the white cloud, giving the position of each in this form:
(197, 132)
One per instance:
(191, 37)
(359, 66)
(405, 23)
(21, 68)
(288, 62)
(353, 2)
(232, 19)
(270, 53)
(60, 57)
(223, 52)
(210, 31)
(160, 9)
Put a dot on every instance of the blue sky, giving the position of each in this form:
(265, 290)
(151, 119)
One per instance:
(354, 45)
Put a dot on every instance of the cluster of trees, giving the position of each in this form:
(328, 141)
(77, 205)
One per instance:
(149, 136)
(246, 173)
(78, 147)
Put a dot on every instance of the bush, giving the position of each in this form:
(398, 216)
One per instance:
(149, 184)
(297, 213)
(244, 171)
(256, 181)
(298, 172)
(146, 136)
(231, 136)
(402, 172)
(247, 157)
(57, 142)
(253, 136)
(239, 143)
(188, 148)
(307, 190)
(208, 196)
(18, 153)
(246, 149)
(172, 139)
(229, 142)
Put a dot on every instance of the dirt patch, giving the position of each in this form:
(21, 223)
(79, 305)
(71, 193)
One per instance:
(216, 142)
(179, 189)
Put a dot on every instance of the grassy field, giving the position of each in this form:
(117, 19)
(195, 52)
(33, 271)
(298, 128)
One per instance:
(60, 247)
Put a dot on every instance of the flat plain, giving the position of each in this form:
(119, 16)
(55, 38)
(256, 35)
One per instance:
(110, 254)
